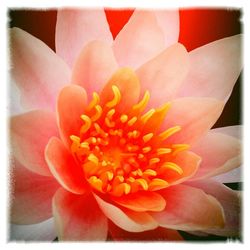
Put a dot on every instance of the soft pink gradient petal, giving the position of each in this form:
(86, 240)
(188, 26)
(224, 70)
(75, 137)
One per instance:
(235, 131)
(139, 40)
(71, 103)
(38, 72)
(43, 231)
(195, 116)
(169, 22)
(78, 217)
(64, 167)
(220, 153)
(163, 74)
(127, 219)
(77, 27)
(214, 69)
(189, 208)
(31, 195)
(231, 203)
(158, 234)
(234, 175)
(142, 201)
(94, 66)
(30, 132)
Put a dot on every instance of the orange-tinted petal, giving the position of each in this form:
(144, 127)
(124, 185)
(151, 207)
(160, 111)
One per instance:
(94, 66)
(142, 201)
(31, 195)
(195, 116)
(220, 153)
(188, 162)
(126, 219)
(163, 74)
(78, 217)
(64, 168)
(128, 83)
(158, 234)
(30, 132)
(189, 209)
(70, 106)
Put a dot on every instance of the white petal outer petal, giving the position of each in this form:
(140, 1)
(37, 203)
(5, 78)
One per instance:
(76, 27)
(230, 177)
(38, 72)
(214, 69)
(44, 231)
(235, 131)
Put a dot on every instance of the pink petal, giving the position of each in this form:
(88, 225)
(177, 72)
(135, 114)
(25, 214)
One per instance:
(30, 133)
(71, 103)
(235, 131)
(220, 153)
(195, 116)
(127, 219)
(214, 69)
(77, 27)
(64, 168)
(38, 72)
(189, 209)
(163, 74)
(94, 66)
(139, 40)
(158, 234)
(43, 231)
(168, 20)
(78, 217)
(230, 201)
(31, 195)
(142, 201)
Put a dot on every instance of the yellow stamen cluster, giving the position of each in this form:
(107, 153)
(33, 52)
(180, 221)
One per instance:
(119, 153)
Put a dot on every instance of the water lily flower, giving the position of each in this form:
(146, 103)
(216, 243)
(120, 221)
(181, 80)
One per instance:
(114, 137)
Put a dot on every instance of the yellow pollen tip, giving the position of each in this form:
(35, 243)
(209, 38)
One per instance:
(179, 147)
(143, 183)
(162, 151)
(75, 138)
(85, 145)
(150, 172)
(87, 124)
(116, 99)
(132, 121)
(123, 118)
(94, 101)
(147, 137)
(146, 149)
(98, 113)
(109, 123)
(153, 161)
(170, 131)
(93, 159)
(157, 184)
(110, 113)
(173, 166)
(142, 104)
(147, 115)
(96, 183)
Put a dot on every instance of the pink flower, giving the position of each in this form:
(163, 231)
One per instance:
(114, 136)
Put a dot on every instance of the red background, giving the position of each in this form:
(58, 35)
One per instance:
(197, 27)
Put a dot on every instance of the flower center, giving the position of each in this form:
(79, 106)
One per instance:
(122, 153)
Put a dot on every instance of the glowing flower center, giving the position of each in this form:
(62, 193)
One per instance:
(118, 152)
